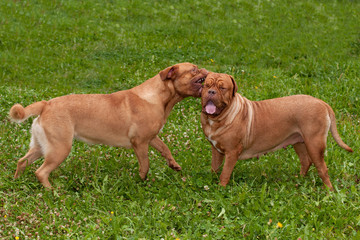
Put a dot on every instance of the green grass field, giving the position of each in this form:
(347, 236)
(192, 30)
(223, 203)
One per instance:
(272, 48)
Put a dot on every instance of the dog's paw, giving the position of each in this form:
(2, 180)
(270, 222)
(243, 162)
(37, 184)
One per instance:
(143, 175)
(175, 166)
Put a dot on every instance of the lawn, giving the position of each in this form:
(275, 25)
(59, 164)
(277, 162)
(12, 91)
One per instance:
(272, 48)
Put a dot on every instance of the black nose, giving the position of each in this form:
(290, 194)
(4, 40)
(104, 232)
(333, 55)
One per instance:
(212, 92)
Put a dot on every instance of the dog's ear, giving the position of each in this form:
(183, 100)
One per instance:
(235, 87)
(168, 73)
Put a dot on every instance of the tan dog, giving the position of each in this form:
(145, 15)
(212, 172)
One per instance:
(240, 129)
(130, 118)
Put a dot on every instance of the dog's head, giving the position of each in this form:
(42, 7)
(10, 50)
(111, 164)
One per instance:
(187, 78)
(218, 91)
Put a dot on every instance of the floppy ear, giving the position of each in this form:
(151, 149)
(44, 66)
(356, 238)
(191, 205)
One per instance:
(168, 73)
(235, 87)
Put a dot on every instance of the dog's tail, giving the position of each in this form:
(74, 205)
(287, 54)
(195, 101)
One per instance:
(19, 114)
(334, 131)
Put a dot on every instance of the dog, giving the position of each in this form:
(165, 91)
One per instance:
(238, 128)
(130, 118)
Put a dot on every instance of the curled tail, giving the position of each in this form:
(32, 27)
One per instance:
(335, 133)
(19, 114)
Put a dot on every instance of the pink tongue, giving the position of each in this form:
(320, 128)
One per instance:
(210, 108)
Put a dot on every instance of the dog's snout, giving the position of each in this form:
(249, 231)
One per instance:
(203, 70)
(211, 92)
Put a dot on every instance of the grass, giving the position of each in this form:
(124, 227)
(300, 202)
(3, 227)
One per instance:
(272, 48)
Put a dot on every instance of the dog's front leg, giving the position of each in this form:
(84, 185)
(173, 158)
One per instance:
(159, 145)
(141, 150)
(230, 161)
(217, 159)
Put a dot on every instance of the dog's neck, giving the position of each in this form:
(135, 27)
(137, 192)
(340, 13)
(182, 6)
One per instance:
(158, 91)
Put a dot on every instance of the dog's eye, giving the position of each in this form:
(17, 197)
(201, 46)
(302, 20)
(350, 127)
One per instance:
(194, 71)
(222, 88)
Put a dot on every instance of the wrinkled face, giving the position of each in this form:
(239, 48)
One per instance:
(187, 78)
(217, 93)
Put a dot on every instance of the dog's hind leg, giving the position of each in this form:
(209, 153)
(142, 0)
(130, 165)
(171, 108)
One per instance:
(165, 152)
(53, 158)
(33, 154)
(305, 160)
(316, 151)
(55, 139)
(35, 151)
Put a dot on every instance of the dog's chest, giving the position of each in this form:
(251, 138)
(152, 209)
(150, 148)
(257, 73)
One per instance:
(210, 133)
